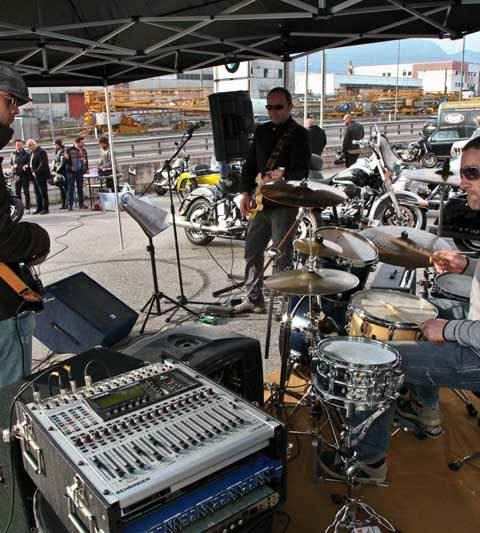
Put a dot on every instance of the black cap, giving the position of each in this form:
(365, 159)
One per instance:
(12, 83)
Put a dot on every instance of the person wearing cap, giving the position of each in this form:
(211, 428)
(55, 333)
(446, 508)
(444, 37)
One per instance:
(353, 132)
(21, 242)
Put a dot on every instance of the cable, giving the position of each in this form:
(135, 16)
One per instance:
(66, 246)
(101, 363)
(19, 335)
(287, 517)
(22, 389)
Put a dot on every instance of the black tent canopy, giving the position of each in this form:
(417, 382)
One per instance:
(60, 42)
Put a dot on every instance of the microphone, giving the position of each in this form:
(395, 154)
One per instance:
(194, 127)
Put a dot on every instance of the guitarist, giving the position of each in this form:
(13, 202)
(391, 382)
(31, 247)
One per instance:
(19, 243)
(280, 151)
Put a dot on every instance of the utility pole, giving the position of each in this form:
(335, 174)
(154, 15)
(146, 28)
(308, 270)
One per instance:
(305, 102)
(396, 85)
(322, 100)
(460, 96)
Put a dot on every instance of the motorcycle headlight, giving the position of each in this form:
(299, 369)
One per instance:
(164, 173)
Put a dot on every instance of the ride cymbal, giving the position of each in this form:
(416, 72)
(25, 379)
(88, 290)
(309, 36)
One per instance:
(322, 281)
(318, 246)
(406, 247)
(298, 194)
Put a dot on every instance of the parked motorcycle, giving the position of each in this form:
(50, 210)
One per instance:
(419, 151)
(184, 177)
(461, 223)
(209, 212)
(16, 205)
(375, 193)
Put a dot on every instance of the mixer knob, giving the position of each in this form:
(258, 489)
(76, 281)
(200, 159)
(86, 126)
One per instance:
(149, 416)
(78, 441)
(124, 425)
(106, 431)
(141, 418)
(115, 428)
(88, 438)
(96, 434)
(132, 421)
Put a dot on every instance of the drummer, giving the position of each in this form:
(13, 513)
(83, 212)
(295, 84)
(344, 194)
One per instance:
(283, 143)
(450, 356)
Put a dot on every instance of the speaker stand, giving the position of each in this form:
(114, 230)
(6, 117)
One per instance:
(157, 295)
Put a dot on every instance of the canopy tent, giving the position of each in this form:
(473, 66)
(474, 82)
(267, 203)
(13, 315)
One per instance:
(67, 43)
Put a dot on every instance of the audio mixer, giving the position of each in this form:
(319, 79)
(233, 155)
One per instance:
(160, 449)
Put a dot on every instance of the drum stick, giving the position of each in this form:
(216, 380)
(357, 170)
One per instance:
(403, 314)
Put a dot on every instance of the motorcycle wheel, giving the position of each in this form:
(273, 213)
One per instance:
(16, 209)
(429, 160)
(160, 190)
(198, 212)
(467, 245)
(413, 216)
(308, 225)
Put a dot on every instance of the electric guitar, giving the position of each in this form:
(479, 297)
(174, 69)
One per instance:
(258, 197)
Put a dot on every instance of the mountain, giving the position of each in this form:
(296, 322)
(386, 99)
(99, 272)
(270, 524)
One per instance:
(411, 51)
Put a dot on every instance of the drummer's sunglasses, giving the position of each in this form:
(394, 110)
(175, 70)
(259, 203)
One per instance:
(470, 173)
(277, 107)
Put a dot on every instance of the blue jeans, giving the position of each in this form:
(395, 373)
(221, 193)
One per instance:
(12, 368)
(74, 178)
(426, 367)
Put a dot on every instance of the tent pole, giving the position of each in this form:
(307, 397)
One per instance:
(305, 101)
(114, 169)
(322, 101)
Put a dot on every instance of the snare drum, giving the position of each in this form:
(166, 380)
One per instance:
(368, 316)
(359, 256)
(453, 286)
(356, 372)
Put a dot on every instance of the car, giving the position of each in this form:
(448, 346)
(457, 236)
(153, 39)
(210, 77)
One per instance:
(429, 126)
(442, 139)
(457, 147)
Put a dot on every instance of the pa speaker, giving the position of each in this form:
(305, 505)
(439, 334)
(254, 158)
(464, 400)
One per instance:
(11, 464)
(80, 314)
(233, 360)
(232, 124)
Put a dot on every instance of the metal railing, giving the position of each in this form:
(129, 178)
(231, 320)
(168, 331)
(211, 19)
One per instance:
(148, 149)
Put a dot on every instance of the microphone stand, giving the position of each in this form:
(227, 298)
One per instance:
(182, 300)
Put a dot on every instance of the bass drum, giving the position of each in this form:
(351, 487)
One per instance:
(359, 256)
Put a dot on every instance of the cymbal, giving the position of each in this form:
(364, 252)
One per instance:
(322, 281)
(298, 194)
(319, 247)
(406, 247)
(435, 176)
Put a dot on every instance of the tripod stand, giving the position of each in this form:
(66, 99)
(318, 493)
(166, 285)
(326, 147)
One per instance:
(182, 301)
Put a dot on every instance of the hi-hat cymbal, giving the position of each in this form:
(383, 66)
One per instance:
(301, 282)
(298, 194)
(406, 247)
(318, 247)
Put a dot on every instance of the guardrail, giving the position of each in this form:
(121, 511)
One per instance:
(147, 149)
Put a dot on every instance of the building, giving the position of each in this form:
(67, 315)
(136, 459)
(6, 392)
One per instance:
(335, 82)
(436, 76)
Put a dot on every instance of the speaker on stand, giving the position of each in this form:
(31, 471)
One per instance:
(233, 124)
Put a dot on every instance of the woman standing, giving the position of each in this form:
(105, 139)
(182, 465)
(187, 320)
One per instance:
(59, 170)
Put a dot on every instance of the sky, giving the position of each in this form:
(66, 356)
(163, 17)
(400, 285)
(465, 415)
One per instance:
(472, 42)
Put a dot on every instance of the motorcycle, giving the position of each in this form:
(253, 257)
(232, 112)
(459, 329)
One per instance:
(461, 223)
(209, 212)
(375, 191)
(184, 177)
(16, 205)
(418, 151)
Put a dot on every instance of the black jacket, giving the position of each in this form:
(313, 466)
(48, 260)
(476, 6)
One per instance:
(294, 156)
(18, 242)
(72, 156)
(59, 161)
(20, 159)
(39, 164)
(318, 139)
(353, 132)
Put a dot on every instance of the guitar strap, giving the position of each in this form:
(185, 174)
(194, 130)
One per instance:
(15, 282)
(279, 145)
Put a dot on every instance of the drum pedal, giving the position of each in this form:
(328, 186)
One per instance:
(220, 310)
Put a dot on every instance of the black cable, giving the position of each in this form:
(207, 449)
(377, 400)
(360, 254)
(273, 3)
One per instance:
(66, 246)
(17, 329)
(22, 389)
(287, 517)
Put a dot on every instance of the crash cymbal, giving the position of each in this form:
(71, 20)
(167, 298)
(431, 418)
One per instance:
(318, 246)
(406, 247)
(433, 176)
(298, 194)
(302, 282)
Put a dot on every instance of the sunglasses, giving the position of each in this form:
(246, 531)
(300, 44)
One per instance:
(276, 107)
(470, 173)
(12, 100)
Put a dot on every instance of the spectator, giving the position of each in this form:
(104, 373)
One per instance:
(105, 164)
(317, 137)
(353, 132)
(59, 171)
(40, 174)
(21, 172)
(76, 164)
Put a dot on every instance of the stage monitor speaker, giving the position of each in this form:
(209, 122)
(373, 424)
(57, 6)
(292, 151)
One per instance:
(231, 359)
(232, 124)
(23, 518)
(80, 314)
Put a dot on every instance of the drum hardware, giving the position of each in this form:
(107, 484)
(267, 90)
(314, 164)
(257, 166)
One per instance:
(318, 246)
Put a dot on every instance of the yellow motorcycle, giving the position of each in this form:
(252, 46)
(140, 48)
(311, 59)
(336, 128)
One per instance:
(184, 178)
